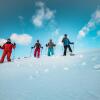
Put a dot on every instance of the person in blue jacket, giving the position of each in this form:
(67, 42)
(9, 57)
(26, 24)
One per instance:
(66, 44)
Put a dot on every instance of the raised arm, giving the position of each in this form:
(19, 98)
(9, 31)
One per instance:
(2, 47)
(41, 46)
(34, 45)
(70, 42)
(14, 45)
(47, 44)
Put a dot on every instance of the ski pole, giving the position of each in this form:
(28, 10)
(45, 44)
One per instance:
(46, 51)
(14, 55)
(73, 47)
(54, 49)
(41, 51)
(62, 50)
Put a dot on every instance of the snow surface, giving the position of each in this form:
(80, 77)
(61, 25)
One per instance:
(52, 78)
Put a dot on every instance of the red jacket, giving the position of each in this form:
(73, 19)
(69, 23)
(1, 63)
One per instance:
(8, 47)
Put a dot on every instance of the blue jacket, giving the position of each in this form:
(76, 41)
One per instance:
(66, 41)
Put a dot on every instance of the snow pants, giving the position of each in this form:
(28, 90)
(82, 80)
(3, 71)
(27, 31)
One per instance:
(37, 52)
(6, 53)
(65, 49)
(50, 51)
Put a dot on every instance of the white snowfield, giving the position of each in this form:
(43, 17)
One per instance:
(52, 78)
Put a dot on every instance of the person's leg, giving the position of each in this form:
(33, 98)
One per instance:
(35, 51)
(52, 51)
(9, 56)
(3, 57)
(38, 52)
(69, 48)
(49, 51)
(65, 49)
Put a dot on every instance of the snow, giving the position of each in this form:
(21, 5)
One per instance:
(52, 78)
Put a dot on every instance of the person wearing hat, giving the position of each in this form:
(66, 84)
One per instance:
(7, 50)
(37, 47)
(66, 44)
(50, 46)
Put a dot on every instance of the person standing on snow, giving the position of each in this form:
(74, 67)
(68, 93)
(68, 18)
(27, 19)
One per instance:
(50, 46)
(66, 44)
(37, 47)
(7, 50)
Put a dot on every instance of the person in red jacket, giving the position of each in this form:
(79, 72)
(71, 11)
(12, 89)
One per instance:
(7, 50)
(37, 47)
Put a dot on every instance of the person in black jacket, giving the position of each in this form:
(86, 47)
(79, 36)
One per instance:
(66, 44)
(37, 47)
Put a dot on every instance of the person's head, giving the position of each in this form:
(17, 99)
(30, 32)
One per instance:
(8, 40)
(37, 41)
(50, 40)
(65, 35)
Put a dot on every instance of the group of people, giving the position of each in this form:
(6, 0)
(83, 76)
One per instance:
(38, 46)
(8, 46)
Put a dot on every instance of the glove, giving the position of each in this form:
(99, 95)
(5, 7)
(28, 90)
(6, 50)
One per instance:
(31, 47)
(54, 45)
(72, 42)
(46, 45)
(14, 44)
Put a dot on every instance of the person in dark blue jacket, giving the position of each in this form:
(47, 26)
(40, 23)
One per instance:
(66, 44)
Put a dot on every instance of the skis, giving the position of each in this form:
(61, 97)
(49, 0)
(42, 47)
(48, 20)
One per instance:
(72, 54)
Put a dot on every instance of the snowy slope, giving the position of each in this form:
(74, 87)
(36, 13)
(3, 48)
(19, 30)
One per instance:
(52, 78)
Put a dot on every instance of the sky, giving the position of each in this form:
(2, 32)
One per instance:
(25, 21)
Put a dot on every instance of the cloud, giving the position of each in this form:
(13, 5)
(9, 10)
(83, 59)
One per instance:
(39, 4)
(56, 32)
(97, 15)
(49, 14)
(21, 17)
(95, 20)
(97, 35)
(23, 39)
(60, 41)
(43, 14)
(2, 41)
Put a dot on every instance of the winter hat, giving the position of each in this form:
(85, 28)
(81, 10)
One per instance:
(65, 35)
(51, 40)
(8, 40)
(37, 40)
